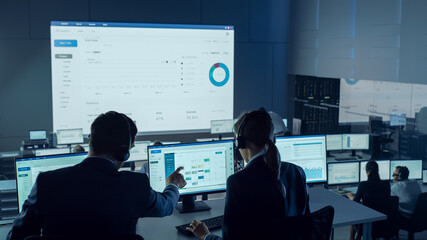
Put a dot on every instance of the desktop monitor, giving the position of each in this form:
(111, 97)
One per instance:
(27, 170)
(343, 173)
(415, 168)
(308, 152)
(69, 136)
(355, 141)
(334, 142)
(383, 168)
(139, 152)
(38, 135)
(207, 165)
(222, 126)
(425, 176)
(51, 151)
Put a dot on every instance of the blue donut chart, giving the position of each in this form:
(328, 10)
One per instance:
(351, 81)
(227, 74)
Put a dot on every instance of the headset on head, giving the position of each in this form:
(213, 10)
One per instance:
(124, 153)
(241, 140)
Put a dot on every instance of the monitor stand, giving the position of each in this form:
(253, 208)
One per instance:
(353, 154)
(189, 204)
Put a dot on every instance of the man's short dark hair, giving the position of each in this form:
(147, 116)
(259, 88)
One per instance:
(403, 172)
(110, 132)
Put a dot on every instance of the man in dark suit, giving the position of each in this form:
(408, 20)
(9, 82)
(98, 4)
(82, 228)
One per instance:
(93, 198)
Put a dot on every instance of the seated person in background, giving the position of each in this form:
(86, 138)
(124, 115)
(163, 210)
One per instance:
(78, 149)
(93, 198)
(144, 168)
(280, 129)
(374, 193)
(291, 175)
(407, 190)
(255, 195)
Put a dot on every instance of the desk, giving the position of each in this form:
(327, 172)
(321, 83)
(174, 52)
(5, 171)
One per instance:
(347, 212)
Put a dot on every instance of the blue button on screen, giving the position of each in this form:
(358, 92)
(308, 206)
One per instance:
(65, 43)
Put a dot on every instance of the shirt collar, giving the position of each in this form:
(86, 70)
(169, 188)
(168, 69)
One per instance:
(262, 152)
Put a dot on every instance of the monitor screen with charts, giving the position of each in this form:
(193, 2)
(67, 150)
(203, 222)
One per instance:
(139, 152)
(69, 136)
(343, 173)
(183, 73)
(51, 151)
(27, 170)
(207, 165)
(334, 142)
(415, 168)
(355, 141)
(308, 152)
(383, 168)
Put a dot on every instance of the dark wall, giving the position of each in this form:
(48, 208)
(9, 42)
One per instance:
(25, 69)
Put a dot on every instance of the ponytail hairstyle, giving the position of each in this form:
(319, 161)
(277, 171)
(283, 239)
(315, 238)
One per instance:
(256, 127)
(374, 175)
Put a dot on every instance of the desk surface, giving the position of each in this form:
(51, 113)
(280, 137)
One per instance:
(347, 212)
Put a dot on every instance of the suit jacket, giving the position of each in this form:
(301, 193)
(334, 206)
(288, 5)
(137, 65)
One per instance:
(92, 197)
(251, 198)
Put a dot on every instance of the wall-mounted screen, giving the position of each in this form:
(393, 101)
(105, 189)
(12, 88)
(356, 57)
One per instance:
(169, 78)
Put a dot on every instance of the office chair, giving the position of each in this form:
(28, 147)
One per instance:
(417, 222)
(314, 226)
(91, 237)
(388, 228)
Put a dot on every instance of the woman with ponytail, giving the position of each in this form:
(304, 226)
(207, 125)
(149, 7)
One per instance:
(255, 195)
(374, 193)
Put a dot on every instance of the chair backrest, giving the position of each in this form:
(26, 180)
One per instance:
(390, 227)
(103, 237)
(314, 226)
(419, 217)
(322, 223)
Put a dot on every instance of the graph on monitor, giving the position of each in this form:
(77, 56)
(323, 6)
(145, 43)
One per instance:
(169, 78)
(308, 152)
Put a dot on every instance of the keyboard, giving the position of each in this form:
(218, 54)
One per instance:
(211, 223)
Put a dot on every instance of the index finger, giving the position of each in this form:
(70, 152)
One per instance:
(179, 169)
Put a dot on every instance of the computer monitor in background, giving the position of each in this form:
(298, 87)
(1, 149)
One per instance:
(139, 152)
(355, 141)
(222, 126)
(69, 136)
(383, 168)
(51, 151)
(343, 173)
(425, 176)
(308, 152)
(334, 142)
(38, 135)
(415, 168)
(27, 170)
(207, 165)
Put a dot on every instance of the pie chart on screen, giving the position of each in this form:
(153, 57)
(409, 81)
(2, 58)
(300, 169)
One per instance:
(219, 74)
